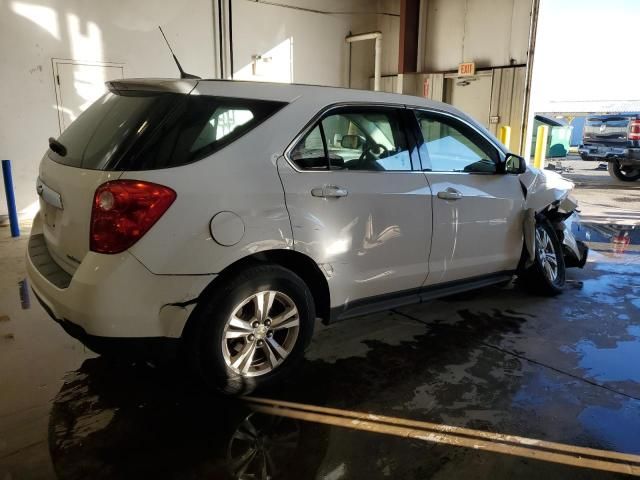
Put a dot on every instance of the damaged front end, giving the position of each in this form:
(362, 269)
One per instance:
(548, 196)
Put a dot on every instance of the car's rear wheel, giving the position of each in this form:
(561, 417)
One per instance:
(251, 330)
(546, 275)
(624, 173)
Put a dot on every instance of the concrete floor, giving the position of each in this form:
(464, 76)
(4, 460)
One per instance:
(496, 362)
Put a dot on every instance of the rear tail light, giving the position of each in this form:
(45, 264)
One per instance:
(634, 130)
(123, 211)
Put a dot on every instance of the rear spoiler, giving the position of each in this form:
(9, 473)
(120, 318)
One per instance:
(184, 86)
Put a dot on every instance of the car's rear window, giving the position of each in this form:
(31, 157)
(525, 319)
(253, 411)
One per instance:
(146, 131)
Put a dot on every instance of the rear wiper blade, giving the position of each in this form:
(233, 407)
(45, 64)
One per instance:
(57, 147)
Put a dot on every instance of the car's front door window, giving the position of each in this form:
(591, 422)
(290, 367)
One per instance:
(449, 146)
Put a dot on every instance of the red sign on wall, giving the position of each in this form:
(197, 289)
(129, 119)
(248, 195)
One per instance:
(467, 69)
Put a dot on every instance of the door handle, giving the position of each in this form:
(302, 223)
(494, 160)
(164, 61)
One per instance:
(329, 191)
(450, 194)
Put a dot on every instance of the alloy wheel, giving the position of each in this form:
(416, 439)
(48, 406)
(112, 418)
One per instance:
(547, 255)
(260, 333)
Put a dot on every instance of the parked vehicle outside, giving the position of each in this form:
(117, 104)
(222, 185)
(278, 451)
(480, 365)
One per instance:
(218, 220)
(614, 138)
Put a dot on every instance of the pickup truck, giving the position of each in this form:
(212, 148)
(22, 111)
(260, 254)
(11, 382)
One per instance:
(614, 138)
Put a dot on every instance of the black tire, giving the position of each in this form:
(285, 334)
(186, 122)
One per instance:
(537, 277)
(617, 172)
(586, 158)
(206, 328)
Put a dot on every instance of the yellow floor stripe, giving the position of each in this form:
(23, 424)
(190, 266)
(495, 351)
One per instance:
(450, 435)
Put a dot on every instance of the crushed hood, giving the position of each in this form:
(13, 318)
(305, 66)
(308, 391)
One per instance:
(545, 187)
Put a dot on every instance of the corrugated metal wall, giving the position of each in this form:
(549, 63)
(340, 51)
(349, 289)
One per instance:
(507, 103)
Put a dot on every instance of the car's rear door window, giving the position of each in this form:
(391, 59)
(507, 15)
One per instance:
(355, 138)
(310, 152)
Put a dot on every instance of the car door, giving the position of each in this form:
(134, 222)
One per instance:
(357, 205)
(477, 208)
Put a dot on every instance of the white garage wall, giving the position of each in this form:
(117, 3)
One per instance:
(32, 32)
(298, 45)
(304, 40)
(386, 20)
(490, 32)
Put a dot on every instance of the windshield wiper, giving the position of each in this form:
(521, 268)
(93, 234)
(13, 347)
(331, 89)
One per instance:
(57, 147)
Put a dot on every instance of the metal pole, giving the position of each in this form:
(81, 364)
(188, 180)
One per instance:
(526, 124)
(505, 135)
(377, 36)
(11, 198)
(541, 146)
(376, 63)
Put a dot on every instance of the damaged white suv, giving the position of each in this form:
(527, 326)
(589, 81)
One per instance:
(225, 217)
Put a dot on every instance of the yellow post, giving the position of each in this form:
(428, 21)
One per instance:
(505, 135)
(541, 146)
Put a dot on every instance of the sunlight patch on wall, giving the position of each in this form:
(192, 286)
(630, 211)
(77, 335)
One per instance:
(45, 17)
(86, 44)
(275, 65)
(86, 40)
(31, 211)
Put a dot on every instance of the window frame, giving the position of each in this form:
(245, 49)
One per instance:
(402, 113)
(463, 126)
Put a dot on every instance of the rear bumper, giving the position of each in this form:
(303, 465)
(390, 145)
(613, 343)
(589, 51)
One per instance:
(134, 347)
(606, 153)
(113, 297)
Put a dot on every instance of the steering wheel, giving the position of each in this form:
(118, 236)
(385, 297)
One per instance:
(368, 150)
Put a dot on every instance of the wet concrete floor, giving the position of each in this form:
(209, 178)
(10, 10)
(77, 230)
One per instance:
(427, 391)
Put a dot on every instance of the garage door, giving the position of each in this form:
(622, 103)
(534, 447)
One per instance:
(472, 95)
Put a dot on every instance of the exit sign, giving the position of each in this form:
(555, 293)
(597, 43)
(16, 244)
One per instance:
(467, 69)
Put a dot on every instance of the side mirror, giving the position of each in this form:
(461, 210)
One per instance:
(352, 142)
(515, 164)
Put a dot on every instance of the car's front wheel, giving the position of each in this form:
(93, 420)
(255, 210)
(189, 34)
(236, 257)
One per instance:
(547, 273)
(252, 329)
(624, 173)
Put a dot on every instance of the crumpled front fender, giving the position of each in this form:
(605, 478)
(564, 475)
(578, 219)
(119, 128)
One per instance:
(545, 188)
(576, 252)
(530, 235)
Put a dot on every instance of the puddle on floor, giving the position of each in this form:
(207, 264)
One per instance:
(618, 239)
(616, 364)
(618, 427)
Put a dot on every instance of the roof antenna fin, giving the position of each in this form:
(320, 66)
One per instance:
(183, 74)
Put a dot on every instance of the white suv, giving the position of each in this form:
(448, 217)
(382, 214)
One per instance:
(225, 217)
